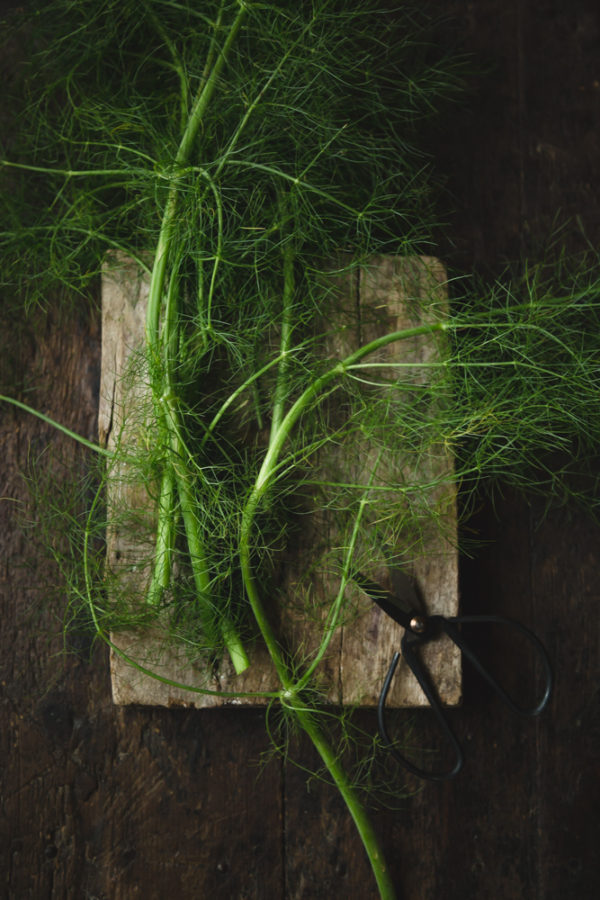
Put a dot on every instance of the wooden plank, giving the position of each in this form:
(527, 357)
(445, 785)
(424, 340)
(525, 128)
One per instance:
(389, 296)
(399, 291)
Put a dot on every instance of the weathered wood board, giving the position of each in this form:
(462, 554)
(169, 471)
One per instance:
(388, 296)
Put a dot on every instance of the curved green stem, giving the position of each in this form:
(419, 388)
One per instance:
(151, 673)
(72, 434)
(200, 571)
(269, 468)
(165, 345)
(303, 711)
(182, 157)
(316, 388)
(176, 475)
(233, 396)
(305, 715)
(355, 806)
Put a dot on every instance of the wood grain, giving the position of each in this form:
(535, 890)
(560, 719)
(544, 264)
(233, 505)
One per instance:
(522, 819)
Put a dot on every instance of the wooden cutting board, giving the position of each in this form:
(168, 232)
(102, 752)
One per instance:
(387, 296)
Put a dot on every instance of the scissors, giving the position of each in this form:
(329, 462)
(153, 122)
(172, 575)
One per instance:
(404, 607)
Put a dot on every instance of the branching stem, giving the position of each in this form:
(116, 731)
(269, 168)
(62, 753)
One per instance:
(163, 345)
(301, 708)
(355, 806)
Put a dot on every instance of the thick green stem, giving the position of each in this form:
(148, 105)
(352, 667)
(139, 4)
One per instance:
(269, 464)
(252, 592)
(165, 345)
(305, 715)
(195, 542)
(302, 710)
(269, 469)
(281, 387)
(157, 281)
(200, 571)
(355, 806)
(165, 525)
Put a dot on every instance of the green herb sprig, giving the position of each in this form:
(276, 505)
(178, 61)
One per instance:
(248, 155)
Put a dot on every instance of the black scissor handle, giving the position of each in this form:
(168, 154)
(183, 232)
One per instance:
(413, 661)
(449, 626)
(410, 643)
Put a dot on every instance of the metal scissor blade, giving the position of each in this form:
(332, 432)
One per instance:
(402, 605)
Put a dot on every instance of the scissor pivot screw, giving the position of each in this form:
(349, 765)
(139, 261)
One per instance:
(418, 624)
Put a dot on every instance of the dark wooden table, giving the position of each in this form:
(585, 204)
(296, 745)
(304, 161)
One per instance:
(111, 804)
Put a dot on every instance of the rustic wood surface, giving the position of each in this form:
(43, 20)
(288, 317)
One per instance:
(390, 294)
(104, 802)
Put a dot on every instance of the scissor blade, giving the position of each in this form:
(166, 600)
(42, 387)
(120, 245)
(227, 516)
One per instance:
(402, 605)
